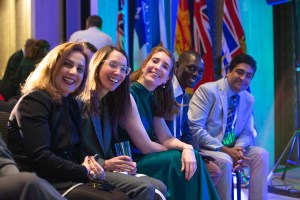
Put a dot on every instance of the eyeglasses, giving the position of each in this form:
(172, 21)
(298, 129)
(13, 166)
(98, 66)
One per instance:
(114, 65)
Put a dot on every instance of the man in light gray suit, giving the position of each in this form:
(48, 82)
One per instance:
(220, 119)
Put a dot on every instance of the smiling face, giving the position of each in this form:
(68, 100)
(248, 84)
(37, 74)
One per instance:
(110, 78)
(240, 77)
(157, 71)
(189, 70)
(71, 73)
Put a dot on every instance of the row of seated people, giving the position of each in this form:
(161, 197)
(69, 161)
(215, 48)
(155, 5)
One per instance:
(47, 116)
(58, 143)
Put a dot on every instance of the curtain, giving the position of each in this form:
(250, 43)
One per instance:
(15, 23)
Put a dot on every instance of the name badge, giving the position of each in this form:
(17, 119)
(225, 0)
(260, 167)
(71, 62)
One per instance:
(228, 139)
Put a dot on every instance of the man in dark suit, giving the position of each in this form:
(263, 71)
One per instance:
(24, 185)
(8, 88)
(97, 139)
(188, 72)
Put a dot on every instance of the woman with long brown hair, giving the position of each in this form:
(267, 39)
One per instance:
(180, 167)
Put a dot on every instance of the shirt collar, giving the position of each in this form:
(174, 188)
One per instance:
(94, 28)
(176, 87)
(230, 92)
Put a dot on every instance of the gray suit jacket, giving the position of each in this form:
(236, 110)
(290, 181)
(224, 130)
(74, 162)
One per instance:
(208, 116)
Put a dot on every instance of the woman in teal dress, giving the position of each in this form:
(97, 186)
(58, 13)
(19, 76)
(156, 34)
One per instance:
(157, 153)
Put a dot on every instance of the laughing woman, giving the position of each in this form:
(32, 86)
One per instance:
(180, 168)
(44, 126)
(107, 103)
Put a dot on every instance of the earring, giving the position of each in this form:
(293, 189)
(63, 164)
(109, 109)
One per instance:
(164, 86)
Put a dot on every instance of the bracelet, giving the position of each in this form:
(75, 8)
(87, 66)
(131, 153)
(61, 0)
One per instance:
(188, 147)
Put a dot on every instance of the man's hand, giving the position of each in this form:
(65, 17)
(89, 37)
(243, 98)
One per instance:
(237, 155)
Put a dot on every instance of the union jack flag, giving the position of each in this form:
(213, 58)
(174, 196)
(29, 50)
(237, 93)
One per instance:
(233, 37)
(202, 40)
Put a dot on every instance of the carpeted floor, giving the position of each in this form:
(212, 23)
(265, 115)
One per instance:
(287, 189)
(289, 186)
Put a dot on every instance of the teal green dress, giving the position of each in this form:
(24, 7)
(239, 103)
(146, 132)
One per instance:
(166, 165)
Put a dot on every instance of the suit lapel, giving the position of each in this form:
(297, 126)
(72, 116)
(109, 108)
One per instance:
(186, 100)
(107, 130)
(98, 130)
(223, 98)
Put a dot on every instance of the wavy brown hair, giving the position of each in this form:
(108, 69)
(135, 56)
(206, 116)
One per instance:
(44, 75)
(117, 101)
(165, 103)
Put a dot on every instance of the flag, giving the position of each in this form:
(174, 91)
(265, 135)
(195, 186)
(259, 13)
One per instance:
(183, 40)
(121, 39)
(233, 37)
(162, 23)
(202, 40)
(148, 16)
(141, 33)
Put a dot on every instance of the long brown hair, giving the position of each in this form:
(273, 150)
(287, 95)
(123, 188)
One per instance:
(44, 75)
(117, 101)
(165, 103)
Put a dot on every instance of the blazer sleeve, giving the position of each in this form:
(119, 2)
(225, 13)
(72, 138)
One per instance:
(5, 155)
(32, 115)
(199, 110)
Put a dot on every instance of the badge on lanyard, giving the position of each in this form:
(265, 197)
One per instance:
(228, 139)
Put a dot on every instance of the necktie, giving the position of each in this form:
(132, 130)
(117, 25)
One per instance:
(178, 123)
(229, 131)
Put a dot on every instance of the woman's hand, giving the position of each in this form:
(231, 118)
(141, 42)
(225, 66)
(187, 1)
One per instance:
(95, 171)
(120, 164)
(188, 160)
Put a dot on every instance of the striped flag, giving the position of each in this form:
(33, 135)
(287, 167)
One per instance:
(233, 37)
(141, 33)
(121, 40)
(162, 23)
(183, 40)
(202, 40)
(149, 15)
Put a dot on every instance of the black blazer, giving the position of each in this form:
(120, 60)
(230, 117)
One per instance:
(97, 135)
(8, 86)
(50, 139)
(185, 129)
